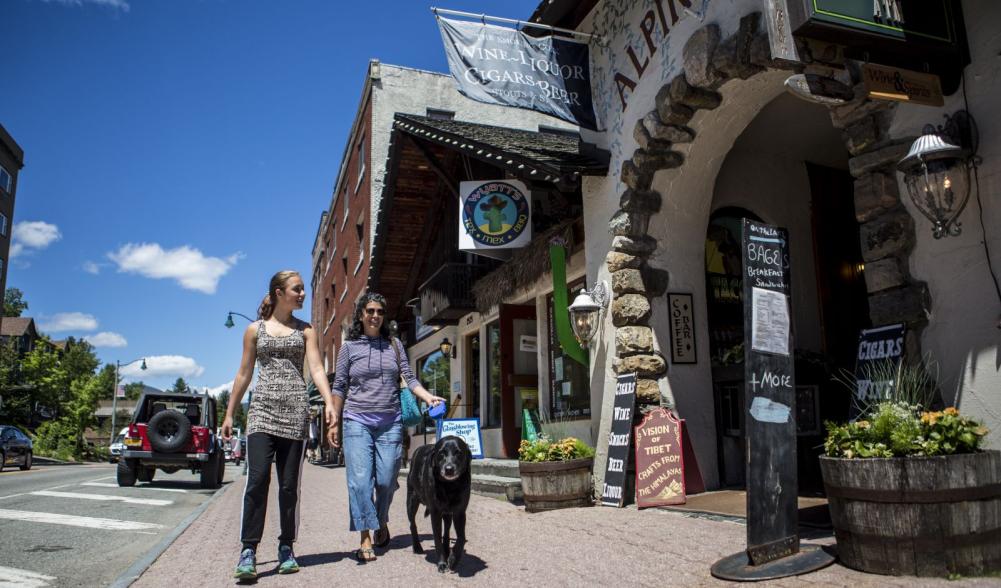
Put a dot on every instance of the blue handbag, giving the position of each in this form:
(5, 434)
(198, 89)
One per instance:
(408, 402)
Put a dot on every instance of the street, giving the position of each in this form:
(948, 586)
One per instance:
(71, 525)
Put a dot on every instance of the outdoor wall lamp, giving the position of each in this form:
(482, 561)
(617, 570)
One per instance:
(446, 348)
(937, 172)
(585, 312)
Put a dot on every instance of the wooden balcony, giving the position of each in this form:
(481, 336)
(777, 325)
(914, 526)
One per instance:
(448, 294)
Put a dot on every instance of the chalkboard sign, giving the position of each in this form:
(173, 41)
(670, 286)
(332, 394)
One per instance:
(770, 395)
(880, 351)
(660, 465)
(612, 493)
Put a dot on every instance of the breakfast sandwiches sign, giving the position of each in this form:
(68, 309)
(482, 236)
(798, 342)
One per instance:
(494, 214)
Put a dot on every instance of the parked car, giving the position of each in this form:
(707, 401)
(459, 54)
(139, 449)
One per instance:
(15, 448)
(170, 432)
(117, 446)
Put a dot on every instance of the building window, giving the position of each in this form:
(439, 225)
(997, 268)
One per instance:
(344, 263)
(347, 207)
(472, 399)
(360, 231)
(436, 114)
(3, 225)
(333, 289)
(361, 162)
(493, 375)
(569, 383)
(435, 374)
(5, 179)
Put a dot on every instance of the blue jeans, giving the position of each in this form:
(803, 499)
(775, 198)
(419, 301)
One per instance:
(372, 457)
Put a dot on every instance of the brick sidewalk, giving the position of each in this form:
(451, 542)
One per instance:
(506, 547)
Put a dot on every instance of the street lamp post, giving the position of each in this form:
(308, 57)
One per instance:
(114, 393)
(250, 393)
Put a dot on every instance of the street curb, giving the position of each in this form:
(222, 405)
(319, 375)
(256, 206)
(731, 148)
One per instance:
(143, 563)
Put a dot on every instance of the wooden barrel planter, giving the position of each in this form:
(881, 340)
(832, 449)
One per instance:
(917, 516)
(549, 485)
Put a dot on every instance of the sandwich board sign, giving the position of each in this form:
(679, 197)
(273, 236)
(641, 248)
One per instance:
(466, 429)
(613, 491)
(660, 464)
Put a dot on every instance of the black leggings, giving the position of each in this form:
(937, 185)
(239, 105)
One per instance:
(287, 454)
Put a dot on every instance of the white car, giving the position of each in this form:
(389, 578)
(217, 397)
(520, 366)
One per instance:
(116, 447)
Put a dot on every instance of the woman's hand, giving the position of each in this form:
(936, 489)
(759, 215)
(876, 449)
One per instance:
(227, 427)
(432, 400)
(333, 432)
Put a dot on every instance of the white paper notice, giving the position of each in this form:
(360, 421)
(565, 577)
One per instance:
(769, 321)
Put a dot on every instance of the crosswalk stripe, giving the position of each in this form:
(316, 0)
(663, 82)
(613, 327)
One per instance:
(76, 521)
(15, 578)
(111, 485)
(83, 496)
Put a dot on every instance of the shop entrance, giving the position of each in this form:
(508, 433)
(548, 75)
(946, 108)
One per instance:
(788, 168)
(519, 370)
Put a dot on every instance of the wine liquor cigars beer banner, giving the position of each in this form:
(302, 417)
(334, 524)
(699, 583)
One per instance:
(494, 214)
(503, 66)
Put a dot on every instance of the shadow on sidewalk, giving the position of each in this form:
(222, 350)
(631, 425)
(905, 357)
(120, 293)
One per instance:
(469, 565)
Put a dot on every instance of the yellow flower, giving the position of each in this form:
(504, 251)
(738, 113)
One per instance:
(951, 410)
(862, 424)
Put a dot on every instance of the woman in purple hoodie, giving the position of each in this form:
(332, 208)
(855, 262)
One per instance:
(370, 364)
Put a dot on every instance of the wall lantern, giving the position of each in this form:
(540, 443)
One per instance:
(937, 172)
(585, 312)
(446, 348)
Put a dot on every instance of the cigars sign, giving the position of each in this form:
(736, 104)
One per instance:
(660, 466)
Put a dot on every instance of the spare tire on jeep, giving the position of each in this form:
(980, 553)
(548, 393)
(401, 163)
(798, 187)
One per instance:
(168, 431)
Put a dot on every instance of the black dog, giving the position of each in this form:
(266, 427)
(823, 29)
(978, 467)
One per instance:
(439, 479)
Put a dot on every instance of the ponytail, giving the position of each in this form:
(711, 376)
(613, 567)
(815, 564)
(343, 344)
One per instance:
(266, 308)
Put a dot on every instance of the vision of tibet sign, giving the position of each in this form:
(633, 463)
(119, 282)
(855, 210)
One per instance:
(660, 466)
(618, 441)
(504, 66)
(466, 429)
(494, 214)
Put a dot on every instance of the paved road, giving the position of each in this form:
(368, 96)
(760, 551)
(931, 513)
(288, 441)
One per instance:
(71, 525)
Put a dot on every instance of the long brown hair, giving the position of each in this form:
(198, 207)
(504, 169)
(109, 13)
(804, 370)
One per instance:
(278, 282)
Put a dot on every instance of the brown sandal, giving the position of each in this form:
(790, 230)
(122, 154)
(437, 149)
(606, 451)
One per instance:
(365, 554)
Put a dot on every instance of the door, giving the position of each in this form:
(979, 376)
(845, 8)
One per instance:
(519, 370)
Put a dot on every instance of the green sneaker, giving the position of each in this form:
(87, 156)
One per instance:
(286, 560)
(247, 568)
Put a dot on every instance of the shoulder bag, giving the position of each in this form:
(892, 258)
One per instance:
(408, 402)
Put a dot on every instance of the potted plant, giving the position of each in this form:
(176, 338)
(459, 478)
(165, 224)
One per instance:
(555, 473)
(910, 491)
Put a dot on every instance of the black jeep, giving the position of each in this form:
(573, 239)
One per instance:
(172, 431)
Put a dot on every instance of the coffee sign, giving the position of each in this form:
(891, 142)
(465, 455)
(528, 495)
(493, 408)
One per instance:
(660, 466)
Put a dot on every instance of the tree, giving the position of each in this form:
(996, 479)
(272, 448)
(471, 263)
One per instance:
(44, 381)
(13, 302)
(79, 359)
(239, 416)
(180, 386)
(134, 390)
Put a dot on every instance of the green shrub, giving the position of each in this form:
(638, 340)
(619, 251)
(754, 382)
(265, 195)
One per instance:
(546, 449)
(897, 429)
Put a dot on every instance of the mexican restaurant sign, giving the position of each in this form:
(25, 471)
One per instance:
(498, 65)
(494, 214)
(660, 466)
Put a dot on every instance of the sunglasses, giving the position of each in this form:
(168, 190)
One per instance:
(375, 311)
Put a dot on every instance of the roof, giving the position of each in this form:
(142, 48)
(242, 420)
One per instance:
(560, 13)
(556, 157)
(16, 326)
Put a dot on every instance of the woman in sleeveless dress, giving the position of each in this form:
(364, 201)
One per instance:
(370, 365)
(278, 419)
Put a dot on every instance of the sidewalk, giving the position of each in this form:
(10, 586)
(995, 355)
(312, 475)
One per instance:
(596, 546)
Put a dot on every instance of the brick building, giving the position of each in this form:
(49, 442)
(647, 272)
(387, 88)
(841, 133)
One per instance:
(11, 161)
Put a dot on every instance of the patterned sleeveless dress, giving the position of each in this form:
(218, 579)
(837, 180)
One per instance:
(280, 405)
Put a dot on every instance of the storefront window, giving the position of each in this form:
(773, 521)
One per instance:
(471, 397)
(569, 382)
(493, 375)
(435, 374)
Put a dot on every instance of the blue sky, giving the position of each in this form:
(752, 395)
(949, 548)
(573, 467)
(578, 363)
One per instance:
(179, 152)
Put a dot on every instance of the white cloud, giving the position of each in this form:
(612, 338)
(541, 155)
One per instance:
(164, 365)
(187, 265)
(67, 321)
(217, 390)
(30, 236)
(122, 5)
(91, 268)
(106, 339)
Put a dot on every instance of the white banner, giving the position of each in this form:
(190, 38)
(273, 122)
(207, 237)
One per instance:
(494, 214)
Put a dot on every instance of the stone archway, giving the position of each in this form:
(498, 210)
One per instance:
(665, 134)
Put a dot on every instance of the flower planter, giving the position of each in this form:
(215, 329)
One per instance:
(549, 485)
(917, 516)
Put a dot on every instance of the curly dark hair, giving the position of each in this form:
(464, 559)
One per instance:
(358, 327)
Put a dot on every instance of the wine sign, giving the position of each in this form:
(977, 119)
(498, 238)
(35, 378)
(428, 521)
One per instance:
(618, 441)
(769, 387)
(660, 466)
